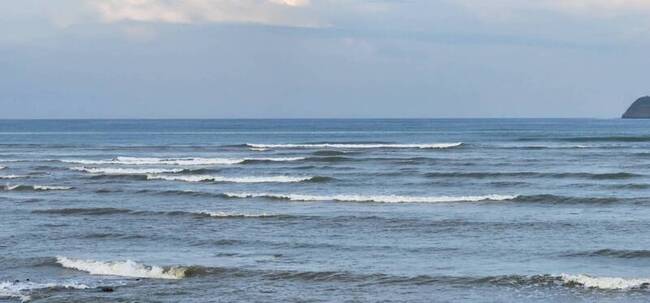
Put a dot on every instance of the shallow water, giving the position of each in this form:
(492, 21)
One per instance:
(325, 210)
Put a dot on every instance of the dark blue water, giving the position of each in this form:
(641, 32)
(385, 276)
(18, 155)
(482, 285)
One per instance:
(325, 210)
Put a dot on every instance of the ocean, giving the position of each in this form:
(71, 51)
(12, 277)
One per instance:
(444, 210)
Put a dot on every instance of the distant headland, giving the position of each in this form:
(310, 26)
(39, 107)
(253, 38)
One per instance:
(640, 109)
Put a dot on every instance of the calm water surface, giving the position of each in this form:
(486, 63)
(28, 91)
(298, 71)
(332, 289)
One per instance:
(493, 210)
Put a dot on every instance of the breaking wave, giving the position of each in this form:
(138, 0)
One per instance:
(107, 211)
(209, 178)
(134, 269)
(239, 215)
(551, 199)
(269, 160)
(22, 290)
(564, 280)
(358, 146)
(20, 187)
(176, 161)
(126, 268)
(124, 171)
(605, 283)
(13, 177)
(258, 149)
(378, 199)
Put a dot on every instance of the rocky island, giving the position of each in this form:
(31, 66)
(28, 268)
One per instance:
(640, 109)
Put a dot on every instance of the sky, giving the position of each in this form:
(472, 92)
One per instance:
(322, 58)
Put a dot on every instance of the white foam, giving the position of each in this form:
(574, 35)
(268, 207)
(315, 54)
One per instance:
(605, 282)
(86, 162)
(124, 171)
(11, 187)
(235, 215)
(12, 177)
(259, 149)
(380, 198)
(46, 187)
(22, 290)
(126, 268)
(210, 178)
(176, 161)
(368, 145)
(3, 167)
(36, 187)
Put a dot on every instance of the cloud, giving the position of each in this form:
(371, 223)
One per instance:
(291, 2)
(593, 8)
(274, 12)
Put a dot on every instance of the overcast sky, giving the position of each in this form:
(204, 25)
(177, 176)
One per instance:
(322, 58)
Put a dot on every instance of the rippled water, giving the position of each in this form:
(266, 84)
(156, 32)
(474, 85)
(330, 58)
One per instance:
(325, 210)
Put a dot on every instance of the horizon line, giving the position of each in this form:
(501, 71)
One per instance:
(322, 118)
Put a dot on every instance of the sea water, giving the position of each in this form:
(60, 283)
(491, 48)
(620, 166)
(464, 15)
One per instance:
(472, 210)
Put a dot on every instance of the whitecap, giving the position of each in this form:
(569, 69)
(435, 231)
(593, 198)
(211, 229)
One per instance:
(126, 268)
(124, 171)
(210, 178)
(373, 198)
(176, 161)
(12, 177)
(35, 187)
(46, 187)
(259, 149)
(235, 215)
(607, 283)
(358, 146)
(22, 290)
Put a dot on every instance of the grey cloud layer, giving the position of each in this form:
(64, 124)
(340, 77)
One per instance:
(321, 58)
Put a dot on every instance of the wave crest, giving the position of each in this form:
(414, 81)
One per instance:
(358, 146)
(13, 177)
(225, 215)
(606, 283)
(133, 269)
(124, 171)
(175, 161)
(20, 187)
(22, 290)
(210, 178)
(126, 268)
(378, 199)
